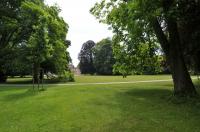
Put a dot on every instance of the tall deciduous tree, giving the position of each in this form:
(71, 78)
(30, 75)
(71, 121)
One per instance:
(86, 58)
(141, 58)
(47, 43)
(37, 32)
(9, 25)
(168, 20)
(103, 57)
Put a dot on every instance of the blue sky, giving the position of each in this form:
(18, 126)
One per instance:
(82, 25)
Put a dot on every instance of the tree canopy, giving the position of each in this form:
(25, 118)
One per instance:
(167, 22)
(103, 57)
(37, 34)
(86, 58)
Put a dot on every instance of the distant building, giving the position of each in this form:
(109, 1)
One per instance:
(74, 69)
(77, 71)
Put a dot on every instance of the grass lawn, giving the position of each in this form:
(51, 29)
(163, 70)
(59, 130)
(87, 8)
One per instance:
(91, 79)
(142, 107)
(98, 79)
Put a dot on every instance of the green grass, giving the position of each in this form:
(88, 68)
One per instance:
(142, 107)
(18, 80)
(91, 79)
(97, 79)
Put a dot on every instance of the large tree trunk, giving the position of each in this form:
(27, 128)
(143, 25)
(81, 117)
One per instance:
(183, 85)
(171, 46)
(182, 81)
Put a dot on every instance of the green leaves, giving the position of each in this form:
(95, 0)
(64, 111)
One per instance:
(86, 58)
(135, 44)
(37, 33)
(103, 57)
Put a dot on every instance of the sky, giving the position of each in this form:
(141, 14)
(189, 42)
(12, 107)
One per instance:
(82, 25)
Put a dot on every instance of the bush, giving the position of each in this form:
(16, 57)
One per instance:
(65, 77)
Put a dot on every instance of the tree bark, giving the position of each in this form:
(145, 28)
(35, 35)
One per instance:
(3, 76)
(171, 46)
(36, 70)
(183, 84)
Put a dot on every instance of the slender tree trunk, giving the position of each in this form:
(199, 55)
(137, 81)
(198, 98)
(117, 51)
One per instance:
(36, 70)
(3, 76)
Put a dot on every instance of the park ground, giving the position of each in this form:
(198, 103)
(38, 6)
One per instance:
(126, 107)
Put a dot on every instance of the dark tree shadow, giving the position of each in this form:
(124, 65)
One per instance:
(11, 88)
(21, 95)
(143, 106)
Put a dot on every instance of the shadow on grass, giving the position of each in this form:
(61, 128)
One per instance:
(23, 86)
(28, 80)
(11, 88)
(20, 95)
(146, 109)
(158, 97)
(144, 98)
(148, 93)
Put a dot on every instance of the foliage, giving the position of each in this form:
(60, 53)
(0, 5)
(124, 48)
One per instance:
(135, 46)
(17, 65)
(9, 25)
(103, 57)
(38, 35)
(138, 59)
(86, 58)
(167, 22)
(67, 76)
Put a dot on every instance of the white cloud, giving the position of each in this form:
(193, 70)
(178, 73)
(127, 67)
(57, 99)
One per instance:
(82, 25)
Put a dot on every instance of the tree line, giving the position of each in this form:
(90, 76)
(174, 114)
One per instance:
(33, 40)
(96, 58)
(109, 57)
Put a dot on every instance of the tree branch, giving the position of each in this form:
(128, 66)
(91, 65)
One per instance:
(160, 35)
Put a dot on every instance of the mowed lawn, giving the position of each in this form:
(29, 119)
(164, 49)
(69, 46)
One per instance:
(100, 79)
(140, 107)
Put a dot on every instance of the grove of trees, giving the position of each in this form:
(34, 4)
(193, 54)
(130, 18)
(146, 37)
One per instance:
(32, 37)
(147, 34)
(97, 58)
(103, 57)
(171, 24)
(108, 57)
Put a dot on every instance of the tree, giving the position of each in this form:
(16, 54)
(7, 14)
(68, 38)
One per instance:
(86, 58)
(167, 20)
(15, 30)
(9, 21)
(142, 58)
(47, 44)
(8, 27)
(37, 33)
(17, 64)
(103, 57)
